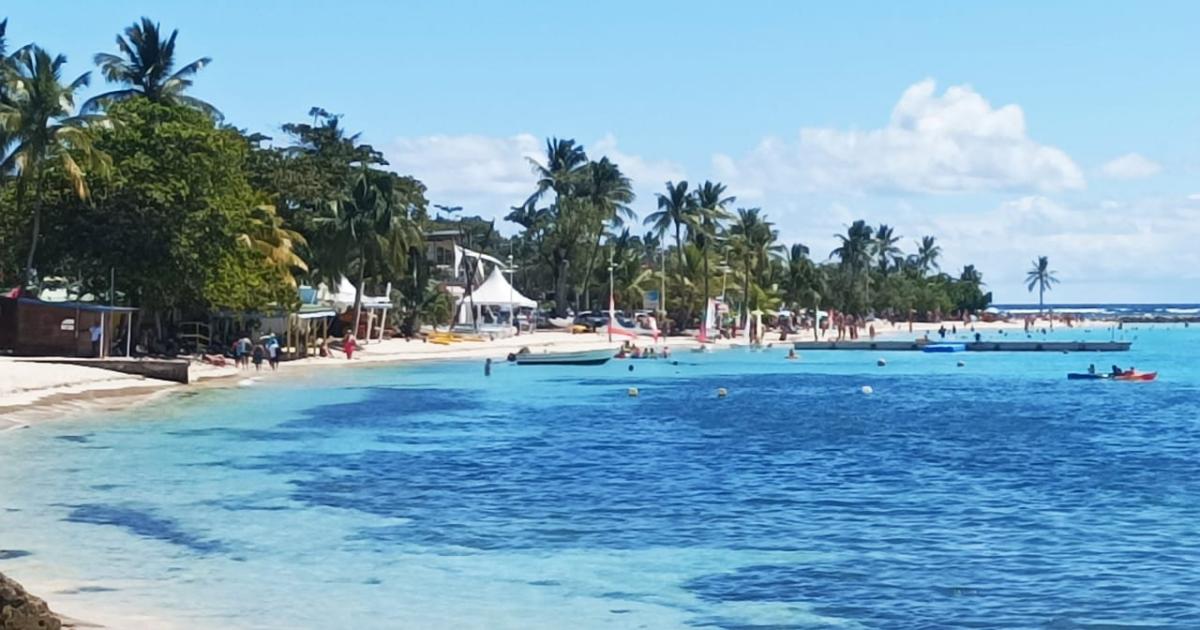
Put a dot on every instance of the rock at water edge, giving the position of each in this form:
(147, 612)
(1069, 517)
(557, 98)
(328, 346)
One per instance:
(21, 611)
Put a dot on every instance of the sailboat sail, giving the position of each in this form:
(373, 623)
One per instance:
(613, 327)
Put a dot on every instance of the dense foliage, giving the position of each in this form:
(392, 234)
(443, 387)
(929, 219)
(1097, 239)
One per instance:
(147, 198)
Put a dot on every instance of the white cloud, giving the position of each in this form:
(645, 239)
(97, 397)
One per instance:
(648, 176)
(953, 142)
(1130, 166)
(1131, 247)
(483, 174)
(487, 175)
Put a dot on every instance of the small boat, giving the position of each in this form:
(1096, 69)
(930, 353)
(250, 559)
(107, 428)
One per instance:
(1136, 376)
(1108, 376)
(945, 347)
(583, 357)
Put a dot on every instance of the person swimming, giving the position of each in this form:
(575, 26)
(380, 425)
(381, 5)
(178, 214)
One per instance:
(791, 353)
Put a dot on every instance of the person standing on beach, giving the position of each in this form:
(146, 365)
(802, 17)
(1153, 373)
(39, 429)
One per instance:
(245, 346)
(96, 333)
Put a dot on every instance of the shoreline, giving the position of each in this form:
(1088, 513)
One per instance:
(45, 390)
(37, 391)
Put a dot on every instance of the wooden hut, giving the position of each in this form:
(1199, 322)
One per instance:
(31, 327)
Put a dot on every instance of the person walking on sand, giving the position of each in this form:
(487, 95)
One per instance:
(273, 352)
(348, 346)
(243, 351)
(258, 353)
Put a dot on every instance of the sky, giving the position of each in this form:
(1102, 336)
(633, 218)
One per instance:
(1006, 130)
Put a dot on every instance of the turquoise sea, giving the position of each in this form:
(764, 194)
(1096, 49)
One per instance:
(996, 494)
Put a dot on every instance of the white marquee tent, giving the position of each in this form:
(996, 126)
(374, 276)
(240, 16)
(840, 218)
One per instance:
(496, 291)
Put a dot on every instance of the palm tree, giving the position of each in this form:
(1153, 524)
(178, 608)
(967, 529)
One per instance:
(267, 235)
(563, 224)
(5, 70)
(854, 253)
(706, 216)
(797, 278)
(365, 232)
(145, 65)
(1043, 278)
(971, 275)
(629, 273)
(753, 241)
(673, 209)
(886, 251)
(564, 161)
(927, 255)
(38, 117)
(608, 193)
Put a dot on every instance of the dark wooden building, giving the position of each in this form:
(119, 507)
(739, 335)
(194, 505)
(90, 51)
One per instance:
(31, 327)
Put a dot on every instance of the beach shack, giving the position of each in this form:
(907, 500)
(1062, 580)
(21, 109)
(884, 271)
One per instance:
(31, 327)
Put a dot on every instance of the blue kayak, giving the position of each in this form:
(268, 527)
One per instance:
(1086, 376)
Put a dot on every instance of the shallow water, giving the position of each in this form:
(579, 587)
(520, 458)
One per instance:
(996, 494)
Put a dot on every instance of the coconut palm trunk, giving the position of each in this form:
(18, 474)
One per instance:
(746, 293)
(358, 295)
(587, 276)
(679, 246)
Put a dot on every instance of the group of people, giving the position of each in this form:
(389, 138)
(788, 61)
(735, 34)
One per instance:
(1114, 371)
(266, 349)
(630, 350)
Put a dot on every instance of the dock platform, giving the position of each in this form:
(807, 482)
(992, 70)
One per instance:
(972, 346)
(163, 369)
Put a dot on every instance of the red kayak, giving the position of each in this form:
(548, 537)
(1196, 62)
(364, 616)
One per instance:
(1136, 376)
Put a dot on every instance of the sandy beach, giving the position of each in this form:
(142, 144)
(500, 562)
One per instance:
(36, 390)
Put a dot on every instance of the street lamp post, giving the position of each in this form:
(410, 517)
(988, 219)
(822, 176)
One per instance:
(662, 297)
(512, 309)
(724, 269)
(611, 313)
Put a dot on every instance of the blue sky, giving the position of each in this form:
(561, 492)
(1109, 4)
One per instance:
(1006, 130)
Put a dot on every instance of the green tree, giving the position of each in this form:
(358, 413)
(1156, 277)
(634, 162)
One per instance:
(607, 193)
(885, 249)
(370, 233)
(1041, 278)
(753, 243)
(565, 160)
(631, 277)
(266, 234)
(173, 218)
(927, 255)
(308, 178)
(146, 66)
(854, 254)
(42, 131)
(673, 209)
(705, 221)
(559, 228)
